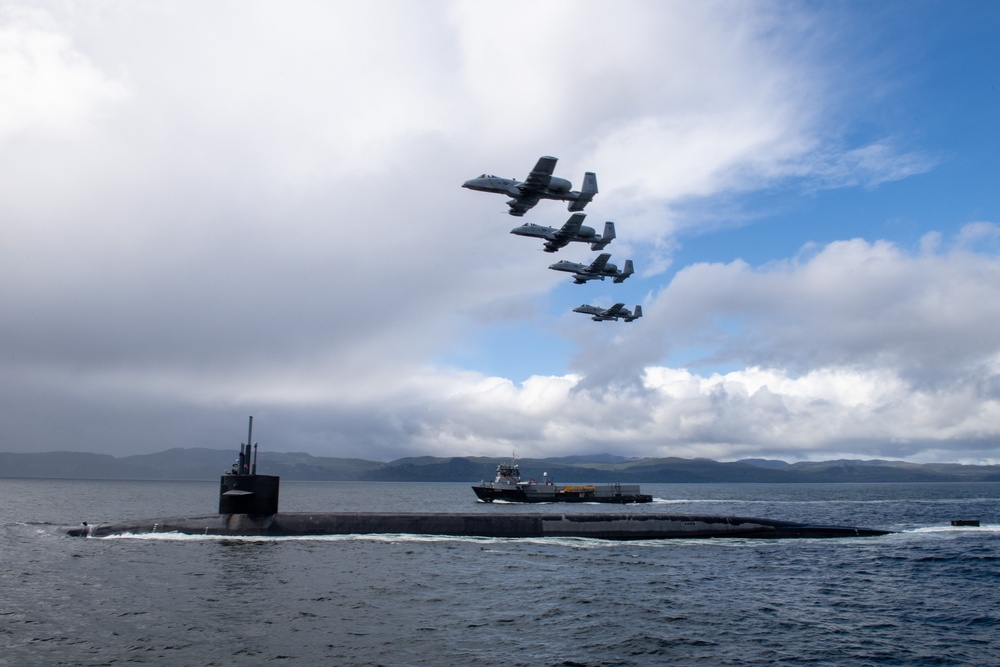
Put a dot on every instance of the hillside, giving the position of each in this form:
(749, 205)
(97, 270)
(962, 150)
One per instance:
(208, 464)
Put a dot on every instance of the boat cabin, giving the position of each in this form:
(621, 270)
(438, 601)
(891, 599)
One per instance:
(507, 475)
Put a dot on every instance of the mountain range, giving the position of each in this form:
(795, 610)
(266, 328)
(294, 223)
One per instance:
(209, 464)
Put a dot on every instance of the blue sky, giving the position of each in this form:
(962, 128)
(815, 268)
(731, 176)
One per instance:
(931, 63)
(269, 221)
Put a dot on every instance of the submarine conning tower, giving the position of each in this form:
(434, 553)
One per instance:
(242, 490)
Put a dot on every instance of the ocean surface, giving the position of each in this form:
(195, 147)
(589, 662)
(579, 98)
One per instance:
(928, 594)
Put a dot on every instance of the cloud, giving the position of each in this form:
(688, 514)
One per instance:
(48, 88)
(212, 210)
(855, 346)
(850, 303)
(867, 166)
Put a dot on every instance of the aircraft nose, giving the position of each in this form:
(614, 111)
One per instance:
(477, 184)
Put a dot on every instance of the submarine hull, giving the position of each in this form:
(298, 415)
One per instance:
(596, 526)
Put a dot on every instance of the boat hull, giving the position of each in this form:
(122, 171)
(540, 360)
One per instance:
(553, 494)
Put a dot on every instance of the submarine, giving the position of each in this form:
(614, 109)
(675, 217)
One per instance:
(248, 507)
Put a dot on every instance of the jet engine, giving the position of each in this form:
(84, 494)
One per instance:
(559, 184)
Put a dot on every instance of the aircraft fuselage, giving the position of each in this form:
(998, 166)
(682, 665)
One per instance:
(582, 272)
(540, 184)
(572, 230)
(613, 313)
(599, 269)
(558, 188)
(585, 234)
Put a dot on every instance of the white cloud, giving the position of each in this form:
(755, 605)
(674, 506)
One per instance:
(218, 208)
(48, 88)
(848, 304)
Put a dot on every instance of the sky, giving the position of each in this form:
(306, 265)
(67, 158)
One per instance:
(217, 210)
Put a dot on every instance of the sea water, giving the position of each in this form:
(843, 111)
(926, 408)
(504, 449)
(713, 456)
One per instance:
(925, 595)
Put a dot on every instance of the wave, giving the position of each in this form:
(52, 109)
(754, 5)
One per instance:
(988, 528)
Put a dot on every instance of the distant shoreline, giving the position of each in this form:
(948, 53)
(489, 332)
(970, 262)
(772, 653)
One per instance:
(201, 464)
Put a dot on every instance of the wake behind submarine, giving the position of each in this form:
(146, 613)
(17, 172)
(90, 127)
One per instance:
(248, 507)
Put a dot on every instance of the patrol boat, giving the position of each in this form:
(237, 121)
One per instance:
(509, 487)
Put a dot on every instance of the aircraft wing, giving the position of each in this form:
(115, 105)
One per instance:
(598, 264)
(566, 233)
(613, 310)
(540, 176)
(572, 226)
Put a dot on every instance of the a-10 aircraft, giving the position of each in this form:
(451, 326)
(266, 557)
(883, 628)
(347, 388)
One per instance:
(572, 230)
(540, 184)
(612, 313)
(599, 269)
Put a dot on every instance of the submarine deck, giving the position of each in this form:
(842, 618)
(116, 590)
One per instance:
(599, 526)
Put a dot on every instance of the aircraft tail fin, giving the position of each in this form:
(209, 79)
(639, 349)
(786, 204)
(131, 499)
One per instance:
(636, 314)
(626, 272)
(609, 235)
(586, 193)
